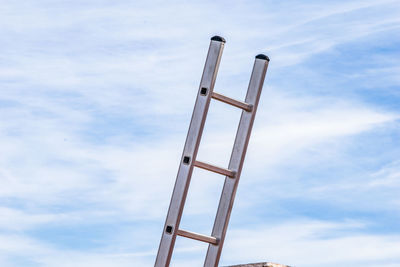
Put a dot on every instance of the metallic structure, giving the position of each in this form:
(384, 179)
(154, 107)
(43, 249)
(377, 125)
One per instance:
(189, 161)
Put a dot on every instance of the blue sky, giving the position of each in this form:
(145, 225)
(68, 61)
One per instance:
(96, 98)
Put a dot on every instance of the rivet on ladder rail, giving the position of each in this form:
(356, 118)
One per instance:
(169, 229)
(186, 160)
(203, 91)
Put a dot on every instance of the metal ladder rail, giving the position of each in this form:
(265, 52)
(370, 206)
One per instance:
(190, 152)
(237, 159)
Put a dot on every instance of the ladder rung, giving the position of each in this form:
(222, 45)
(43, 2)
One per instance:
(213, 168)
(232, 102)
(199, 237)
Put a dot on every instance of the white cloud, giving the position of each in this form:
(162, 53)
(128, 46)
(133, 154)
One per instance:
(387, 176)
(302, 243)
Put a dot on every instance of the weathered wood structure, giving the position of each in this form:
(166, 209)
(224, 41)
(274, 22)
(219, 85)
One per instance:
(260, 264)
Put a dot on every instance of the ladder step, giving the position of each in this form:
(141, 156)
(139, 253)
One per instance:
(233, 102)
(215, 169)
(199, 237)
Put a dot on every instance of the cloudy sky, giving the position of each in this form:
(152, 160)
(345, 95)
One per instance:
(96, 98)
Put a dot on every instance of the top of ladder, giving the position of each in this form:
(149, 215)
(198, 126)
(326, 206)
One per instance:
(218, 38)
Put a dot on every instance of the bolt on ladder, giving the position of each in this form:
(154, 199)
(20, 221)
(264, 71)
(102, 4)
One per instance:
(189, 161)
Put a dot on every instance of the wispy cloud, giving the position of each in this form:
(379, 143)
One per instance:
(306, 245)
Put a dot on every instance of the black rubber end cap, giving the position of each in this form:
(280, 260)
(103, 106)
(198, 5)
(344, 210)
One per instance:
(262, 56)
(218, 38)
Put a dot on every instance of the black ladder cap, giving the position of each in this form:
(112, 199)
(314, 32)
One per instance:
(262, 56)
(218, 38)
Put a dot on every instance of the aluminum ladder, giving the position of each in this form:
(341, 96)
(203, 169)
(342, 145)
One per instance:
(189, 161)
